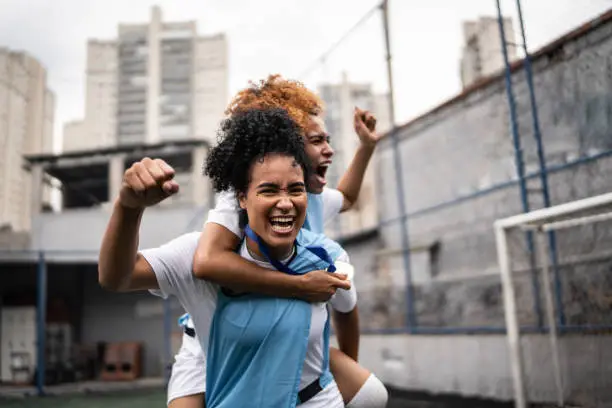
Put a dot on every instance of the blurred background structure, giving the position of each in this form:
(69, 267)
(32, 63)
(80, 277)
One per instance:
(517, 128)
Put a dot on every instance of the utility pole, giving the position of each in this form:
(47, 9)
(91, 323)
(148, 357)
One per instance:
(411, 321)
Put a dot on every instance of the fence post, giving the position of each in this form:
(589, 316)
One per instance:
(411, 318)
(520, 166)
(552, 239)
(41, 323)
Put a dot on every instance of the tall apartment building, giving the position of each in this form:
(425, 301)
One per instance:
(27, 109)
(482, 50)
(340, 100)
(156, 82)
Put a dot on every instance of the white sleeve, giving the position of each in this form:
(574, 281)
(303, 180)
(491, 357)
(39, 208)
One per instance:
(344, 300)
(225, 213)
(172, 264)
(332, 203)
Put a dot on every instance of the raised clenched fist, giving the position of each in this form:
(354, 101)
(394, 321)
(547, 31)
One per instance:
(146, 183)
(364, 123)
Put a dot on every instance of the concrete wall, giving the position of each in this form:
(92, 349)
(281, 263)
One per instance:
(76, 234)
(479, 365)
(114, 317)
(97, 315)
(459, 172)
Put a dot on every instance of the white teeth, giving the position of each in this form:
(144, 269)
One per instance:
(278, 228)
(281, 219)
(282, 224)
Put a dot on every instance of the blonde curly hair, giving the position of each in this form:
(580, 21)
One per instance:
(277, 92)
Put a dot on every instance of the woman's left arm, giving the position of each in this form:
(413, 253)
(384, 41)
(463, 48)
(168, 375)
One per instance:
(346, 317)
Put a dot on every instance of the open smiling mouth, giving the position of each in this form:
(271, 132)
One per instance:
(282, 224)
(321, 171)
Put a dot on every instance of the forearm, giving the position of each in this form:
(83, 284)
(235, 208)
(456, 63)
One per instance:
(119, 248)
(230, 270)
(350, 183)
(216, 261)
(347, 332)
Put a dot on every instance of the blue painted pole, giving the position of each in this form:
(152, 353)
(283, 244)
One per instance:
(520, 166)
(41, 323)
(552, 241)
(411, 318)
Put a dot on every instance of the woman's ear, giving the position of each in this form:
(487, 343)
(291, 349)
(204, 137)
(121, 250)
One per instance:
(242, 200)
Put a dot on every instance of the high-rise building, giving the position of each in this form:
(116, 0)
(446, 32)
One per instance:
(341, 100)
(156, 82)
(482, 52)
(27, 109)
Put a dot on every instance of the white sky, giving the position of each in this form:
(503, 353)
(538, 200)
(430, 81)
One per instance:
(286, 36)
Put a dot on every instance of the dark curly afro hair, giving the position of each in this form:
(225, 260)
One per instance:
(248, 136)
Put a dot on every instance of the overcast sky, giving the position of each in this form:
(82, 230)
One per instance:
(286, 36)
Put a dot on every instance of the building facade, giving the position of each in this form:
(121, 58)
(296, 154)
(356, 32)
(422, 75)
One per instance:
(157, 82)
(27, 109)
(67, 243)
(340, 101)
(459, 172)
(482, 49)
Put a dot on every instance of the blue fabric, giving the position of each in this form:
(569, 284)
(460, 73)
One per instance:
(313, 222)
(182, 321)
(257, 344)
(314, 214)
(278, 265)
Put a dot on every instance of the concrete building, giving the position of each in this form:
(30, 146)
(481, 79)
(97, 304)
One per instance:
(458, 163)
(67, 243)
(482, 49)
(158, 81)
(27, 109)
(340, 100)
(159, 90)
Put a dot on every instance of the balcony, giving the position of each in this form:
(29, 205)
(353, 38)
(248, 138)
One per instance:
(90, 182)
(76, 234)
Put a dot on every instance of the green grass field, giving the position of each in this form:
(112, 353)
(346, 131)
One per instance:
(133, 399)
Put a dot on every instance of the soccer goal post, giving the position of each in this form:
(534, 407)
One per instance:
(537, 253)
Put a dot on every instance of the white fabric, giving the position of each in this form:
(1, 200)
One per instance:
(225, 212)
(372, 394)
(332, 203)
(188, 371)
(328, 397)
(172, 264)
(313, 362)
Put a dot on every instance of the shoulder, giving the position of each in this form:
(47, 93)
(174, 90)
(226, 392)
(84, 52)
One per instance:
(186, 242)
(175, 251)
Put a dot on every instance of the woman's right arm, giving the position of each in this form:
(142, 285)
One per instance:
(120, 267)
(217, 261)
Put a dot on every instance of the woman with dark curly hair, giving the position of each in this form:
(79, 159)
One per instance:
(150, 181)
(215, 261)
(262, 351)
